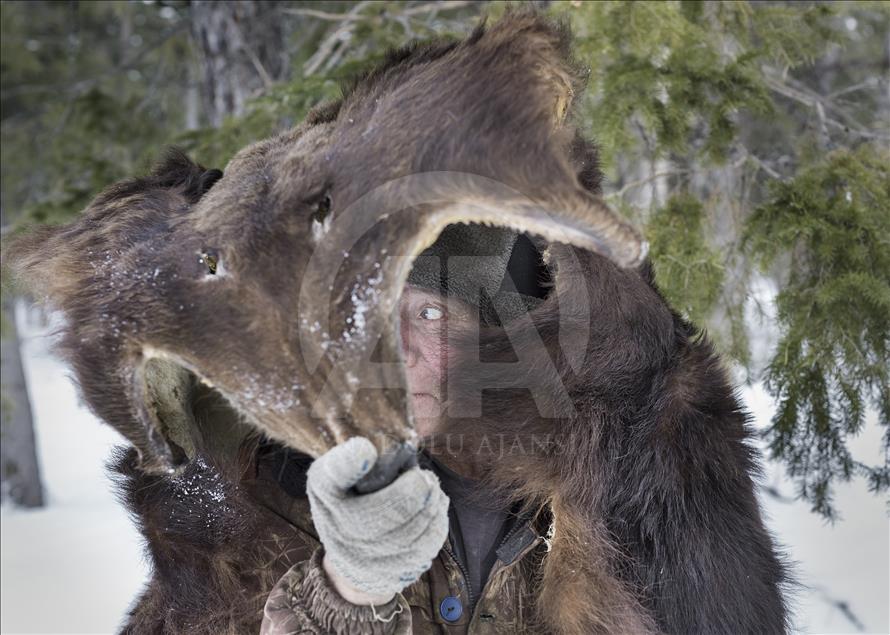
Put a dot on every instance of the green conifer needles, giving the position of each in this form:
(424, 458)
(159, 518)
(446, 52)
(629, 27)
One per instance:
(689, 272)
(830, 227)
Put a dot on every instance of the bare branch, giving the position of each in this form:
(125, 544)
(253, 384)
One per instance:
(843, 606)
(333, 46)
(254, 59)
(338, 36)
(865, 134)
(871, 82)
(763, 166)
(321, 15)
(644, 181)
(798, 92)
(446, 5)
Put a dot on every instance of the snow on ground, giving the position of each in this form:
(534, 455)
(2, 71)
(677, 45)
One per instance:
(75, 566)
(846, 562)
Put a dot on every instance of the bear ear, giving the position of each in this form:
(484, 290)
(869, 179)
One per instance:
(176, 171)
(54, 262)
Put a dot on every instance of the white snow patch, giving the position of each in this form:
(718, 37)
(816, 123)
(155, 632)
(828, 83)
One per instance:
(76, 565)
(364, 297)
(849, 561)
(257, 391)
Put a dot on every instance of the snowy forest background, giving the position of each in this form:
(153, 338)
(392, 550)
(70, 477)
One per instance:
(750, 141)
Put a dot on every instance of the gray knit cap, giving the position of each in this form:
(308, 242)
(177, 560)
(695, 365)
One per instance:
(470, 262)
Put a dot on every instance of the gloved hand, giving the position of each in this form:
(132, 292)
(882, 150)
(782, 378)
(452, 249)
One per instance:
(382, 541)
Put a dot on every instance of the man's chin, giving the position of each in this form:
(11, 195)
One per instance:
(425, 426)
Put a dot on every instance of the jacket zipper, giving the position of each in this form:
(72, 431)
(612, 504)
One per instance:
(463, 571)
(464, 574)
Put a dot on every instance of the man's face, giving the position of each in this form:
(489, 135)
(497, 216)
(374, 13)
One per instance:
(426, 316)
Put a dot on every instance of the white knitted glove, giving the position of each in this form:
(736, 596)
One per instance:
(384, 540)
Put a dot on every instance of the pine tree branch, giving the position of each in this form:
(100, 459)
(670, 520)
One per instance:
(775, 494)
(83, 85)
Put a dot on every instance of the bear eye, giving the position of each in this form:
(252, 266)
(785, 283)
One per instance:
(210, 259)
(322, 209)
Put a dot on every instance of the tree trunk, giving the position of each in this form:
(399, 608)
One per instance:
(242, 49)
(19, 469)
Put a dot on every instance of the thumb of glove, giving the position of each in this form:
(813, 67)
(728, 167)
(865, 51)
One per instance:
(344, 465)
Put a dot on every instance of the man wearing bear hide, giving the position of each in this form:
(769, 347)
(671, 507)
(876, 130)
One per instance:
(270, 342)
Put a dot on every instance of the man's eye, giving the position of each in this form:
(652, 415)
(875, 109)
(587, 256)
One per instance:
(431, 313)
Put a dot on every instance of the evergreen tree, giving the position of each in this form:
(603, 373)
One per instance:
(749, 139)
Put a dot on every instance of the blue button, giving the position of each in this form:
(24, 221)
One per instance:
(451, 608)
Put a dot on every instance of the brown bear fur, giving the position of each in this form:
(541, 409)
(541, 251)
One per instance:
(182, 293)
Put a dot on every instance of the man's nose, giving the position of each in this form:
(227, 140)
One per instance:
(409, 347)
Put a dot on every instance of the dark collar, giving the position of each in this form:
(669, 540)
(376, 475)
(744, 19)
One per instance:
(288, 467)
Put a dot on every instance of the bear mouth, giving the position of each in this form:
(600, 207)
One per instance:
(185, 413)
(601, 231)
